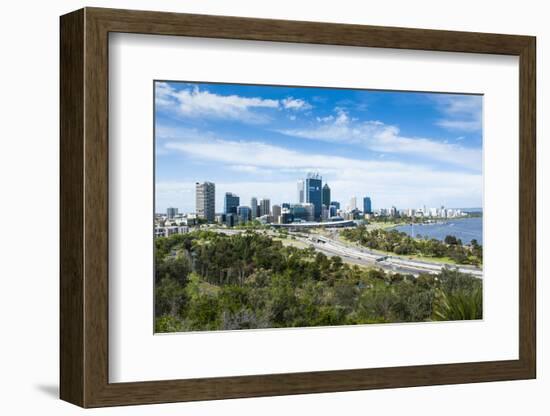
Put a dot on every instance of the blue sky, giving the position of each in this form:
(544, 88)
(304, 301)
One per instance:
(405, 149)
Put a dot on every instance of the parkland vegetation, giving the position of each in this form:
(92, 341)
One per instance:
(401, 243)
(210, 281)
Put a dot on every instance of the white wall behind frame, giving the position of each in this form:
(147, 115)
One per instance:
(29, 179)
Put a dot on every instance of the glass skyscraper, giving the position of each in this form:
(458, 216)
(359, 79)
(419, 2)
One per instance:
(230, 203)
(326, 195)
(243, 213)
(367, 205)
(314, 193)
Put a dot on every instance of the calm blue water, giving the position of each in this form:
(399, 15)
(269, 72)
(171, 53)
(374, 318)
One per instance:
(466, 229)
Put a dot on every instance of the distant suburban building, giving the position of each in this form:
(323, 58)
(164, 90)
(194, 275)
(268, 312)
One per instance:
(253, 208)
(326, 195)
(301, 192)
(367, 205)
(205, 197)
(171, 212)
(265, 207)
(230, 203)
(167, 231)
(314, 193)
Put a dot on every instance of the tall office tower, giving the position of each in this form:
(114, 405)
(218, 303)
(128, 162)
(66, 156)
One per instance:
(336, 204)
(313, 192)
(393, 212)
(276, 213)
(253, 208)
(171, 212)
(367, 205)
(205, 197)
(230, 203)
(301, 191)
(353, 203)
(243, 213)
(326, 195)
(265, 208)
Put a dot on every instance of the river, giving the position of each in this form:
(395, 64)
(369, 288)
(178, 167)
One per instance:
(466, 229)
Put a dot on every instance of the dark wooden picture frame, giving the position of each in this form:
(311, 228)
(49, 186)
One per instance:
(84, 207)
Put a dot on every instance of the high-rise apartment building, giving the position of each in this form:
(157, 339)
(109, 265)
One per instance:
(301, 191)
(205, 200)
(314, 193)
(353, 203)
(253, 208)
(265, 207)
(230, 203)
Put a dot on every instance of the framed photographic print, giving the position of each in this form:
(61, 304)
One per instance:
(255, 207)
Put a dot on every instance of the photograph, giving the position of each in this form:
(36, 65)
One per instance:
(304, 206)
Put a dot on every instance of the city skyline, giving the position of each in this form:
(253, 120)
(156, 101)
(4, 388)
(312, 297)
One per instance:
(232, 202)
(398, 148)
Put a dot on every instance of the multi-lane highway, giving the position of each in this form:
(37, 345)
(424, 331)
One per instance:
(331, 246)
(367, 257)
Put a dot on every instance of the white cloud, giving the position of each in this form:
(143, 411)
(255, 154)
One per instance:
(295, 104)
(245, 168)
(195, 102)
(242, 153)
(462, 113)
(462, 125)
(380, 137)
